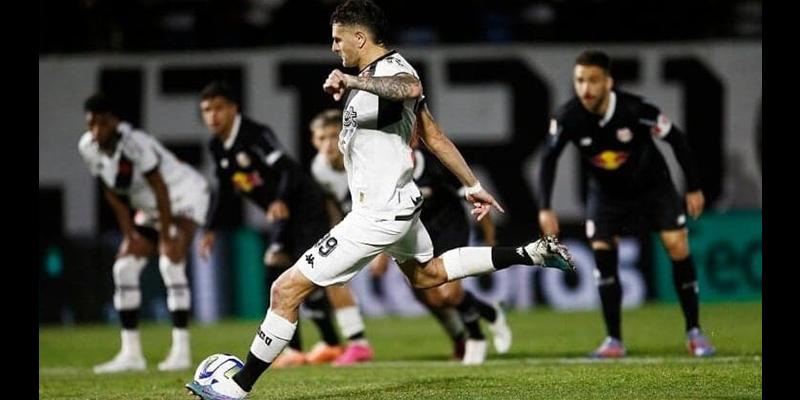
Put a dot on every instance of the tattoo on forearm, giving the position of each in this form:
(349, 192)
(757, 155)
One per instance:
(390, 87)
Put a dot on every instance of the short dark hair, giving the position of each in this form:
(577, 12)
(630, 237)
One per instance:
(364, 13)
(328, 117)
(100, 103)
(219, 89)
(595, 58)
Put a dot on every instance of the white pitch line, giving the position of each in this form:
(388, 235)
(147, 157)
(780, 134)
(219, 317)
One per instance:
(510, 361)
(570, 361)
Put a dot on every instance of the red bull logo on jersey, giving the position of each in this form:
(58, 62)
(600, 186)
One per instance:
(610, 160)
(246, 181)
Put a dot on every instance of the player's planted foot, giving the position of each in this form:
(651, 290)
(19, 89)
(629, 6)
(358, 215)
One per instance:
(610, 348)
(219, 389)
(475, 352)
(289, 358)
(122, 362)
(501, 333)
(322, 353)
(698, 344)
(176, 360)
(355, 353)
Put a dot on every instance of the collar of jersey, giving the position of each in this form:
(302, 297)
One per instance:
(612, 106)
(234, 132)
(388, 53)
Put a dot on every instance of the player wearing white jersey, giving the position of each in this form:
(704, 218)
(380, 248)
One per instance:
(380, 115)
(456, 309)
(170, 198)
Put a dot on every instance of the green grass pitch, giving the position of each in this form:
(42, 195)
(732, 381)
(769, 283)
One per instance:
(546, 361)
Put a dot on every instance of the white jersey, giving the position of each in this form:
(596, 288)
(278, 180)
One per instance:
(332, 181)
(374, 140)
(137, 153)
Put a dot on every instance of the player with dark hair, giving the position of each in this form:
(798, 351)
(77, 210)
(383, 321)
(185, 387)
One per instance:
(170, 200)
(250, 161)
(382, 104)
(615, 132)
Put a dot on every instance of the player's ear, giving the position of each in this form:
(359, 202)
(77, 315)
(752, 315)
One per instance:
(361, 38)
(609, 83)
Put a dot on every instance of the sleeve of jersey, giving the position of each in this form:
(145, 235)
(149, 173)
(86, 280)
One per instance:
(391, 66)
(143, 156)
(82, 149)
(267, 148)
(661, 127)
(554, 145)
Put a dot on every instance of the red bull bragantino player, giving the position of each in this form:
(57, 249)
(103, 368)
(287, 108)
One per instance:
(628, 177)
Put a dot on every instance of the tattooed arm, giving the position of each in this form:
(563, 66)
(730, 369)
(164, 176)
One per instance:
(396, 88)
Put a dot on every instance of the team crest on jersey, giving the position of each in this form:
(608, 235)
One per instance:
(586, 141)
(243, 159)
(610, 160)
(350, 117)
(624, 135)
(223, 163)
(246, 182)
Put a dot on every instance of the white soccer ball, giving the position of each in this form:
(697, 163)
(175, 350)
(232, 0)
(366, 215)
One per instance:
(217, 366)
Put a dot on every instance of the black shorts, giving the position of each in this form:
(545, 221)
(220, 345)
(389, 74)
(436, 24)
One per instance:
(304, 230)
(659, 208)
(447, 236)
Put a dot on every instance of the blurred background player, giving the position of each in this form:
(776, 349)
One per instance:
(628, 177)
(249, 161)
(443, 215)
(170, 199)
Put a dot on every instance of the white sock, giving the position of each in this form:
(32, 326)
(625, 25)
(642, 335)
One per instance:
(467, 261)
(273, 335)
(180, 340)
(350, 322)
(131, 344)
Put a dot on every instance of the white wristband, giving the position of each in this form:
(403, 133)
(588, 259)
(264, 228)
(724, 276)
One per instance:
(468, 191)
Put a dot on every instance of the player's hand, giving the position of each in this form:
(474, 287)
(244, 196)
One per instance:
(379, 265)
(548, 222)
(277, 211)
(206, 244)
(277, 258)
(695, 202)
(336, 84)
(134, 244)
(483, 203)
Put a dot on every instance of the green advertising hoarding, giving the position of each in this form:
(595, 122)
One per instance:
(726, 248)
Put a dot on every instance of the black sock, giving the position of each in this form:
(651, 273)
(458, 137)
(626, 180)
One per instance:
(296, 343)
(321, 314)
(180, 318)
(484, 309)
(504, 257)
(610, 291)
(443, 315)
(684, 277)
(470, 315)
(253, 368)
(129, 318)
(473, 327)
